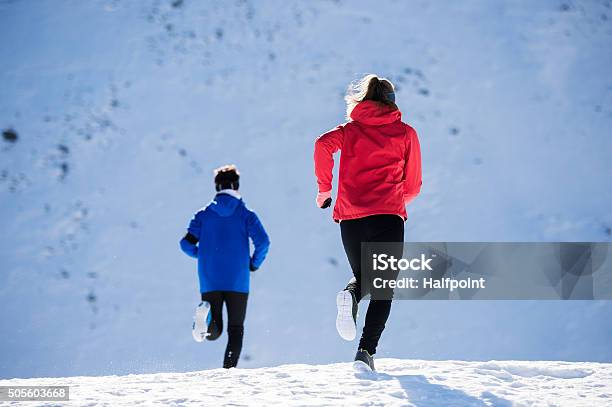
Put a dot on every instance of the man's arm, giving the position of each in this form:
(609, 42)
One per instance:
(260, 238)
(190, 241)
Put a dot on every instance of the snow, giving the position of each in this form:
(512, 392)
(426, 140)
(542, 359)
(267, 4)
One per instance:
(122, 110)
(397, 382)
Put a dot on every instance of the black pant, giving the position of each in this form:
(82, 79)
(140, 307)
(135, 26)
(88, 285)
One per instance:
(236, 304)
(376, 228)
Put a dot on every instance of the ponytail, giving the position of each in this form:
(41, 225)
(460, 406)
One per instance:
(370, 87)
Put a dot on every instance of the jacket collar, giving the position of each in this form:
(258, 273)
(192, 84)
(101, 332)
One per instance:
(374, 113)
(231, 192)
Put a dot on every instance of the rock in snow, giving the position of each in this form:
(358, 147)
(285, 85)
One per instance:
(397, 382)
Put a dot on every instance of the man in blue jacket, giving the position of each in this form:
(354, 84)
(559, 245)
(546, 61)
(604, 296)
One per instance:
(218, 236)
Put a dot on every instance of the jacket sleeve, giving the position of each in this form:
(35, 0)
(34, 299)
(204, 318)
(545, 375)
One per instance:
(325, 147)
(260, 239)
(412, 167)
(190, 241)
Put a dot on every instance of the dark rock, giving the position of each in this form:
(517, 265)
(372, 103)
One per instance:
(10, 135)
(64, 168)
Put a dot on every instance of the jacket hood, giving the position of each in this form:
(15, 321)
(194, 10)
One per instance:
(225, 204)
(374, 113)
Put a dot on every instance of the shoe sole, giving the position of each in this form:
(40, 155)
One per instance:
(345, 324)
(362, 366)
(200, 328)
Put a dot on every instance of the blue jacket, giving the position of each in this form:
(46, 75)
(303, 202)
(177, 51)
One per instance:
(219, 239)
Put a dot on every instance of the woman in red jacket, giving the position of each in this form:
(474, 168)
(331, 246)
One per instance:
(380, 172)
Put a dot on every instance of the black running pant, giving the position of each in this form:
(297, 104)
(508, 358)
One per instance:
(375, 228)
(236, 304)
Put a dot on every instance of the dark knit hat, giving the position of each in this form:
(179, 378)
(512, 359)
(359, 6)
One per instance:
(227, 177)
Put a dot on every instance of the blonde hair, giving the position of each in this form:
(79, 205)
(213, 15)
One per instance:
(370, 87)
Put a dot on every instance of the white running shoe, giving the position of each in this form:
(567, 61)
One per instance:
(347, 315)
(200, 321)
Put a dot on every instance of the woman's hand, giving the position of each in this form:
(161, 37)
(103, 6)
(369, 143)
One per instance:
(324, 199)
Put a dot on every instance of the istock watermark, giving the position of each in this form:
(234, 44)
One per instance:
(389, 262)
(384, 262)
(488, 271)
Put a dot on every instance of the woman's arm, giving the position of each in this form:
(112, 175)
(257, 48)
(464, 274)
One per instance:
(325, 147)
(412, 167)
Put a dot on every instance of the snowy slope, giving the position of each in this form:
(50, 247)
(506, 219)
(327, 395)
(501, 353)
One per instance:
(397, 383)
(122, 109)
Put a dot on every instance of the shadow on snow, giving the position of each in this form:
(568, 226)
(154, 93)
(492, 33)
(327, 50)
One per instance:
(422, 393)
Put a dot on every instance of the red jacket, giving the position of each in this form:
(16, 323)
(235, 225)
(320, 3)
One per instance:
(380, 163)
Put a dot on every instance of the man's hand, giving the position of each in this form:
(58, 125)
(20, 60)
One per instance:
(324, 199)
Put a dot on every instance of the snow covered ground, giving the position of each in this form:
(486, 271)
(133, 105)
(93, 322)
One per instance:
(398, 382)
(123, 108)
